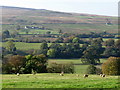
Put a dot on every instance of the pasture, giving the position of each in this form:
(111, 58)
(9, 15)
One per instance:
(37, 31)
(26, 46)
(74, 61)
(78, 66)
(54, 80)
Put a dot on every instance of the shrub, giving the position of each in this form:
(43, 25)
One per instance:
(111, 66)
(58, 68)
(91, 69)
(98, 70)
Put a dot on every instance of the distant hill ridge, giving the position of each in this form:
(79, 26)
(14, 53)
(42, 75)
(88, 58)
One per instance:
(45, 10)
(55, 20)
(20, 15)
(19, 7)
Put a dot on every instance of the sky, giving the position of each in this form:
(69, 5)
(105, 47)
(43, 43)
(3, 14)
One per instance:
(99, 7)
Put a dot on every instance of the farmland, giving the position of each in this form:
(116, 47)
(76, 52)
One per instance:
(68, 22)
(79, 67)
(72, 28)
(75, 61)
(54, 80)
(79, 40)
(27, 46)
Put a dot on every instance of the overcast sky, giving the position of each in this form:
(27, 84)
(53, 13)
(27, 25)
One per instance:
(100, 7)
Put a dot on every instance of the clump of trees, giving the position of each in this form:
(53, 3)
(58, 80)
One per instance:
(13, 64)
(54, 67)
(111, 66)
(5, 34)
(92, 53)
(24, 64)
(10, 46)
(112, 48)
(71, 50)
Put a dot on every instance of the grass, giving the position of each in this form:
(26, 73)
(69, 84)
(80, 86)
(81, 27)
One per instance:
(74, 61)
(25, 46)
(37, 31)
(105, 39)
(79, 67)
(83, 28)
(77, 64)
(65, 27)
(54, 80)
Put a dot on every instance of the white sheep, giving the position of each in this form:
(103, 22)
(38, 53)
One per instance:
(62, 73)
(85, 75)
(18, 74)
(103, 75)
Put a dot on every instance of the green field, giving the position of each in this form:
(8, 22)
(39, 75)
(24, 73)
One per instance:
(79, 67)
(37, 31)
(54, 80)
(66, 28)
(26, 46)
(75, 61)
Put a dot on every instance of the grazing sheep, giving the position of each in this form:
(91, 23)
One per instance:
(103, 75)
(62, 73)
(18, 74)
(85, 75)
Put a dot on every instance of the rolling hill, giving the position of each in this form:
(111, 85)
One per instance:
(68, 22)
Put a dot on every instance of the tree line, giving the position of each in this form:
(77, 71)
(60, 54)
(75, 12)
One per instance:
(57, 38)
(89, 53)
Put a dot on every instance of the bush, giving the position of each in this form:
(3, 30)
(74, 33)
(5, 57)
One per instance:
(58, 68)
(98, 70)
(111, 66)
(91, 69)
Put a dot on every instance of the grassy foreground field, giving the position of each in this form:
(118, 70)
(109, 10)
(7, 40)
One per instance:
(54, 80)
